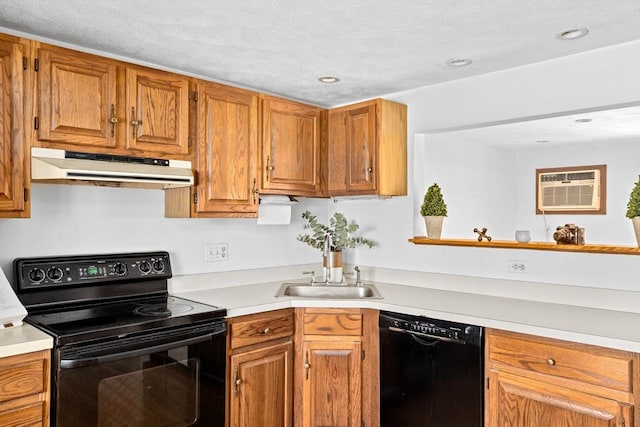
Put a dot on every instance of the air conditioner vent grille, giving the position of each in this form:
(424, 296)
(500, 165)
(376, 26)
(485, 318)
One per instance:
(576, 190)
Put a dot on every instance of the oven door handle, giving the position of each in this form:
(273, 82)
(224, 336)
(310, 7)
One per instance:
(109, 356)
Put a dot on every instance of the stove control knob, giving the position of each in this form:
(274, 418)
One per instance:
(120, 269)
(55, 273)
(158, 266)
(144, 266)
(36, 275)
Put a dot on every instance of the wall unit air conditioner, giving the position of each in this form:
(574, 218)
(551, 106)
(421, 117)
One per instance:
(571, 190)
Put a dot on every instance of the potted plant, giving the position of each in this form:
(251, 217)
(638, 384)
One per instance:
(633, 209)
(341, 232)
(433, 210)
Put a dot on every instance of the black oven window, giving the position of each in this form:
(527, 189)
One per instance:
(164, 395)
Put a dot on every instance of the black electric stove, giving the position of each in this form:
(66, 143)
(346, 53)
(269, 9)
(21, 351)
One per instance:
(125, 351)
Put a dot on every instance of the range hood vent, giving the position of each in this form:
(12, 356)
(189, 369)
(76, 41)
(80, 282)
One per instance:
(52, 165)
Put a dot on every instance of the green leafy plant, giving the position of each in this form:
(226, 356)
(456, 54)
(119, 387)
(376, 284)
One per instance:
(340, 230)
(633, 207)
(433, 203)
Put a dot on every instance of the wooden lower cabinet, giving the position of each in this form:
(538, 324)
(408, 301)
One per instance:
(261, 394)
(535, 381)
(260, 370)
(24, 390)
(336, 368)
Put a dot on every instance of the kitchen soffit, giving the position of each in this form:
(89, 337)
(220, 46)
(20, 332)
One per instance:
(282, 47)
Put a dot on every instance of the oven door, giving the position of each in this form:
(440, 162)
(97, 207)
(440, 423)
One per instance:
(165, 379)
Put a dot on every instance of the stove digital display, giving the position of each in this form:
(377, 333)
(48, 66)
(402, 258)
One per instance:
(91, 271)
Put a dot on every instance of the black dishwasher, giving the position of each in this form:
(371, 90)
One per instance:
(431, 372)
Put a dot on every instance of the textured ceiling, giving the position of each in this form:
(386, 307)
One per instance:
(376, 47)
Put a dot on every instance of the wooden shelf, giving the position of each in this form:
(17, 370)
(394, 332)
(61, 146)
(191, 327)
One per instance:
(536, 246)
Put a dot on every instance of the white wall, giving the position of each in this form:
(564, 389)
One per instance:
(607, 76)
(78, 219)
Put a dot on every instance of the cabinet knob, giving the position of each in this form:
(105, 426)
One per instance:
(551, 362)
(266, 331)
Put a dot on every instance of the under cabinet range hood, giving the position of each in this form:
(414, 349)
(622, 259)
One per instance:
(53, 165)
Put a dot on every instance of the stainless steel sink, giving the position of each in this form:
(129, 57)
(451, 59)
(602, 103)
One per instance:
(328, 291)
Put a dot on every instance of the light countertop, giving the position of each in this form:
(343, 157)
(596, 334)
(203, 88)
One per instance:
(603, 327)
(23, 339)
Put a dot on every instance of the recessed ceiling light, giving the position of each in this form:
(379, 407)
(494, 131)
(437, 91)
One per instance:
(458, 62)
(572, 34)
(587, 120)
(542, 141)
(329, 79)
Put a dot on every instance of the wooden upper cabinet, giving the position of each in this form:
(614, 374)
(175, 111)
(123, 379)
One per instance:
(13, 170)
(90, 103)
(225, 156)
(157, 110)
(367, 149)
(292, 137)
(226, 159)
(76, 99)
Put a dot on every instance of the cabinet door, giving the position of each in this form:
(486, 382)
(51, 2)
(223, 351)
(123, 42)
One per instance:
(12, 140)
(226, 160)
(291, 147)
(332, 390)
(261, 387)
(76, 99)
(360, 145)
(157, 112)
(522, 402)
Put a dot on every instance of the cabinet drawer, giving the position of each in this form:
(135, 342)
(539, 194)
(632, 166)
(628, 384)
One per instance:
(581, 362)
(20, 377)
(332, 323)
(259, 328)
(31, 415)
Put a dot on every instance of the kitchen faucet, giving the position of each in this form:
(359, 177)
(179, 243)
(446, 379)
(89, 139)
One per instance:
(326, 252)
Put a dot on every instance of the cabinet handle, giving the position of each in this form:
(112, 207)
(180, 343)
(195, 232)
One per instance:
(134, 122)
(369, 169)
(255, 192)
(113, 120)
(270, 168)
(551, 362)
(236, 383)
(306, 364)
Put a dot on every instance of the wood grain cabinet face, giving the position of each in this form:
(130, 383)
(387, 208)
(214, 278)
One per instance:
(13, 171)
(332, 393)
(291, 147)
(90, 103)
(76, 99)
(336, 373)
(226, 158)
(260, 370)
(24, 390)
(158, 111)
(367, 149)
(543, 382)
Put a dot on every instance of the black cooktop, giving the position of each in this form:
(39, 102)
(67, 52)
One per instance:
(104, 297)
(123, 318)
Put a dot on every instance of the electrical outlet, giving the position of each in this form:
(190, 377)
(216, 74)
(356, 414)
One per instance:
(214, 252)
(517, 266)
